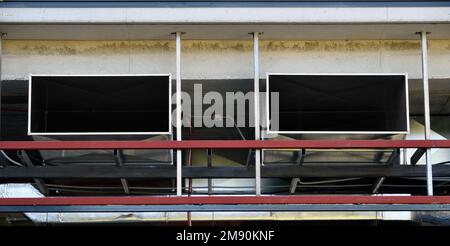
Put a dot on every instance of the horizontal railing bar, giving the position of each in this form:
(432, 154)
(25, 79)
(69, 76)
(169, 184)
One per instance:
(223, 144)
(228, 208)
(223, 200)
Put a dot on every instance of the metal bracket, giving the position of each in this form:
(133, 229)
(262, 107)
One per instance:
(209, 163)
(250, 156)
(301, 157)
(377, 186)
(25, 159)
(119, 162)
(394, 158)
(209, 154)
(293, 186)
(417, 155)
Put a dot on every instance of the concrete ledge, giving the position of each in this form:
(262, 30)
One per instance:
(224, 15)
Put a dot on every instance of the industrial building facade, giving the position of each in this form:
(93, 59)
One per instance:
(350, 99)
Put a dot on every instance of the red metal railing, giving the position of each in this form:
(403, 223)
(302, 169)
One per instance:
(223, 144)
(223, 200)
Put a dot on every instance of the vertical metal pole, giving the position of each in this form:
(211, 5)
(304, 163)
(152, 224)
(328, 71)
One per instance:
(1, 59)
(178, 120)
(257, 125)
(1, 40)
(209, 163)
(426, 99)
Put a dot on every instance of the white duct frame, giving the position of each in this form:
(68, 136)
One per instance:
(269, 131)
(30, 133)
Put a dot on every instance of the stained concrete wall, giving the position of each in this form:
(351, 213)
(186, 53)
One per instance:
(220, 59)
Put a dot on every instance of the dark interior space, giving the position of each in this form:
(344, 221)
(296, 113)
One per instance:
(102, 104)
(341, 102)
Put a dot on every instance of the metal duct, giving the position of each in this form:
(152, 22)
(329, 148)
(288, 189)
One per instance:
(337, 106)
(100, 107)
(340, 103)
(99, 104)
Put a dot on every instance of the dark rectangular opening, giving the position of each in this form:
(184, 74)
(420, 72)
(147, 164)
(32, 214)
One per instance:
(110, 104)
(341, 102)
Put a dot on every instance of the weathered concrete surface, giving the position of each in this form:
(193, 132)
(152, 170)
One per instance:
(220, 59)
(234, 15)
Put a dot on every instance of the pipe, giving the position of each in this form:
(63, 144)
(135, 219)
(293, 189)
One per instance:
(178, 120)
(10, 159)
(378, 185)
(189, 218)
(256, 98)
(426, 100)
(327, 181)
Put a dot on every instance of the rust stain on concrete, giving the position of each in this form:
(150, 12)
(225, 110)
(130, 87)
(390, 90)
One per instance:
(64, 48)
(402, 45)
(69, 48)
(214, 46)
(340, 46)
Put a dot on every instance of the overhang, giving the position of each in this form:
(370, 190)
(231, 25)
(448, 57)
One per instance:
(224, 15)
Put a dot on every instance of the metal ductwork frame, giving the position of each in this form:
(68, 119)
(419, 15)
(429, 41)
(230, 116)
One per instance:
(101, 107)
(335, 106)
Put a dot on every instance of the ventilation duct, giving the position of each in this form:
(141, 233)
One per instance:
(340, 103)
(99, 105)
(336, 106)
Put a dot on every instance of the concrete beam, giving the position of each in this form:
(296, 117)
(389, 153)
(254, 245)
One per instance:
(226, 15)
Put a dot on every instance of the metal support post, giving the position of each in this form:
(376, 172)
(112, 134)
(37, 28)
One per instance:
(426, 100)
(25, 159)
(117, 153)
(256, 98)
(209, 163)
(178, 113)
